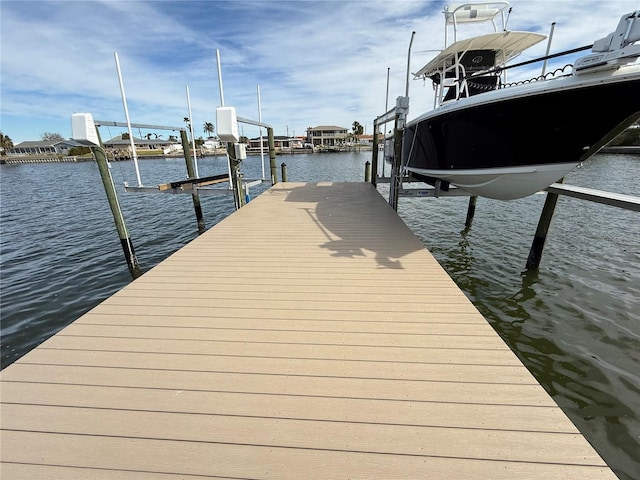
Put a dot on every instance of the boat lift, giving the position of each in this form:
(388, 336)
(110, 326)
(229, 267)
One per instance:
(85, 131)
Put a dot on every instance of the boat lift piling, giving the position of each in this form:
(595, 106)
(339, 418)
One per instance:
(535, 254)
(112, 196)
(192, 173)
(85, 131)
(398, 115)
(272, 156)
(471, 210)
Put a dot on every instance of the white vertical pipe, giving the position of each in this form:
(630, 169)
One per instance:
(126, 114)
(193, 138)
(260, 120)
(222, 105)
(220, 78)
(406, 92)
(386, 99)
(544, 65)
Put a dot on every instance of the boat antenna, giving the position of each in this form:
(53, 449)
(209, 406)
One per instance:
(507, 20)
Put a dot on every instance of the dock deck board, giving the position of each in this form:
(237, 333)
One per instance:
(308, 335)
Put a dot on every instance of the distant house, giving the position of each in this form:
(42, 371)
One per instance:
(43, 147)
(121, 147)
(211, 143)
(367, 140)
(280, 142)
(327, 135)
(140, 143)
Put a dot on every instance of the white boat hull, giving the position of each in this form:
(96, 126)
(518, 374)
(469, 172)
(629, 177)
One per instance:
(506, 183)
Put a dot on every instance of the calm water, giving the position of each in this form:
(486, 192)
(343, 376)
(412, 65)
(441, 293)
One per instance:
(575, 323)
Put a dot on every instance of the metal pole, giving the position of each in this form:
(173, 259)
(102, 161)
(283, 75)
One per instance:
(261, 145)
(127, 245)
(386, 100)
(406, 93)
(193, 137)
(272, 157)
(544, 65)
(126, 114)
(220, 78)
(190, 172)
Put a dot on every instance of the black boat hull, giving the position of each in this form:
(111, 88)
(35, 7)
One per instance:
(507, 147)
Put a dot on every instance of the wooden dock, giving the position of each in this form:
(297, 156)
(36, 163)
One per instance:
(308, 335)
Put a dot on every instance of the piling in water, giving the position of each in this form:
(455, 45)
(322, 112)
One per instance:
(272, 156)
(191, 173)
(535, 254)
(471, 210)
(236, 177)
(112, 197)
(374, 155)
(396, 180)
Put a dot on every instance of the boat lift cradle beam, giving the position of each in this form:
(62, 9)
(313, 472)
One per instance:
(102, 123)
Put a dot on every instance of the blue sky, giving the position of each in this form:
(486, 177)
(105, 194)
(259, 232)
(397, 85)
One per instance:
(320, 62)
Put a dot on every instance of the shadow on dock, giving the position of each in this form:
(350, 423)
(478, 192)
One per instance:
(335, 216)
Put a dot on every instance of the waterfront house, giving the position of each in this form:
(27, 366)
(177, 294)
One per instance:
(43, 147)
(121, 147)
(327, 136)
(280, 143)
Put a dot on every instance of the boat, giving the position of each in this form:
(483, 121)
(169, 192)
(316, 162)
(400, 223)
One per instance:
(505, 140)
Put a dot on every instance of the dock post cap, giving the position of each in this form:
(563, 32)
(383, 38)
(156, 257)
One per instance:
(227, 124)
(83, 128)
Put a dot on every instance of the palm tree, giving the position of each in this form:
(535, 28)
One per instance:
(208, 128)
(357, 129)
(187, 120)
(5, 142)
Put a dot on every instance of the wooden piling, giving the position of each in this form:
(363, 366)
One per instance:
(236, 178)
(471, 210)
(367, 171)
(374, 155)
(396, 180)
(191, 173)
(535, 254)
(272, 156)
(283, 168)
(109, 188)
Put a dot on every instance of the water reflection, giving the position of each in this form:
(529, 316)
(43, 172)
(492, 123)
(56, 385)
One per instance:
(535, 313)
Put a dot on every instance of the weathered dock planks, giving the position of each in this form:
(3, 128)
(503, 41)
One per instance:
(308, 335)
